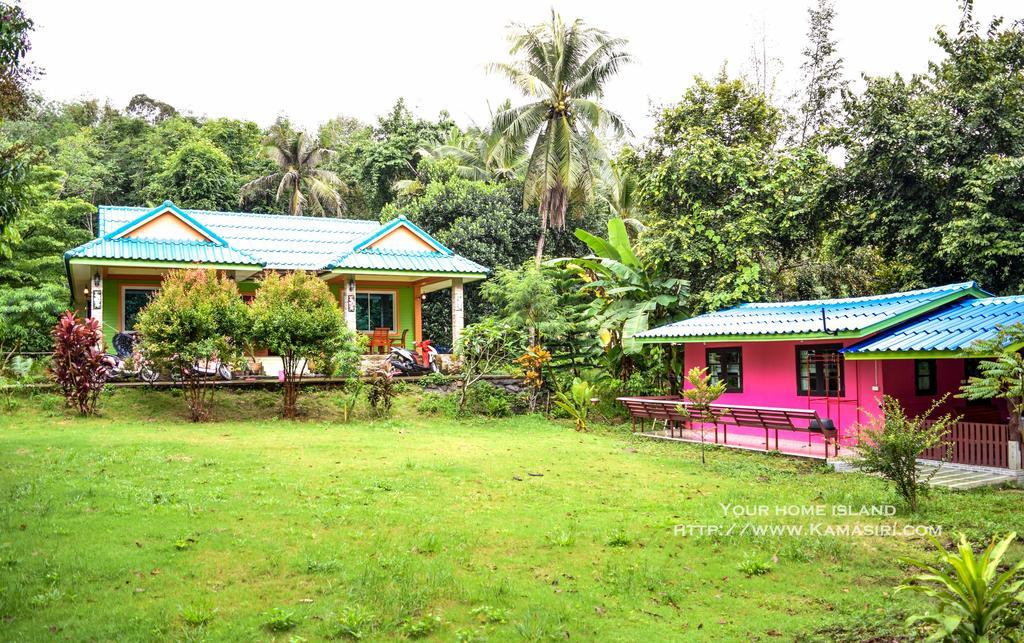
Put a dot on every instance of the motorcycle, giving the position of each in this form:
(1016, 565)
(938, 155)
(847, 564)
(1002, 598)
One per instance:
(206, 369)
(407, 362)
(128, 361)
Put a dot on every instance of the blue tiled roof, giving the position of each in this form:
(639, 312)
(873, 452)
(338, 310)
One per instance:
(153, 250)
(418, 261)
(274, 241)
(953, 328)
(852, 315)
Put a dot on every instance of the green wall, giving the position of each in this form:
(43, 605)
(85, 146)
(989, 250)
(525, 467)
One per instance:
(112, 306)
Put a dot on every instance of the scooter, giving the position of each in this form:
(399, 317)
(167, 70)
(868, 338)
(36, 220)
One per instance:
(406, 362)
(206, 369)
(128, 361)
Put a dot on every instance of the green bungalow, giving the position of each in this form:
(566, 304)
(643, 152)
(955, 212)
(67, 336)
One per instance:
(379, 272)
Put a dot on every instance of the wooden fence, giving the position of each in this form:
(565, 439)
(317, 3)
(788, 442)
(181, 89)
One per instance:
(978, 443)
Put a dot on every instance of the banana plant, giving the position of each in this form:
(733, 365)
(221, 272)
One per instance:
(629, 297)
(576, 402)
(973, 595)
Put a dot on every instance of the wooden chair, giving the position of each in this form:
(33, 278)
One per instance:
(399, 341)
(381, 338)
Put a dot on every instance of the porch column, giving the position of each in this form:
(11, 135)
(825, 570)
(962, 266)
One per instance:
(348, 302)
(417, 314)
(94, 305)
(457, 319)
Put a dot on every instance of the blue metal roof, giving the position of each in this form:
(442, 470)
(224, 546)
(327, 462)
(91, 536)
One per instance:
(202, 252)
(854, 316)
(274, 241)
(953, 328)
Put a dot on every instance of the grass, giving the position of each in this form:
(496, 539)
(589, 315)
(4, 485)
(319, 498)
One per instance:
(138, 525)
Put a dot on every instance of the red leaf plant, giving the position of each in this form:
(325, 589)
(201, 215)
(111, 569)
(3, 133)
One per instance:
(78, 362)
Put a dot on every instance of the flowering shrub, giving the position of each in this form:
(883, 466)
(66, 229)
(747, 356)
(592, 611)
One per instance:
(532, 363)
(78, 362)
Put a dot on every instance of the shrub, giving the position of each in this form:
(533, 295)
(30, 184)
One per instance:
(484, 348)
(532, 363)
(383, 390)
(297, 317)
(891, 445)
(483, 398)
(436, 404)
(78, 362)
(576, 402)
(197, 317)
(974, 596)
(351, 395)
(347, 362)
(701, 395)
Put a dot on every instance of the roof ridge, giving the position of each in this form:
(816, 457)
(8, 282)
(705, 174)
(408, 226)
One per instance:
(139, 208)
(965, 285)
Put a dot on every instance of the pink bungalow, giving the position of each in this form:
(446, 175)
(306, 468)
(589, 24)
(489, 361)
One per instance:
(803, 372)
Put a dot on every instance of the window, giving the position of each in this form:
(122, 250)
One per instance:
(924, 376)
(132, 301)
(375, 310)
(819, 370)
(726, 365)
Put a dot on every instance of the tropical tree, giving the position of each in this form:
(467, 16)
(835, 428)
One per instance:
(483, 153)
(298, 178)
(629, 297)
(198, 175)
(563, 70)
(1001, 376)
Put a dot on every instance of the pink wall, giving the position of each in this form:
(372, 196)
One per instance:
(900, 383)
(769, 379)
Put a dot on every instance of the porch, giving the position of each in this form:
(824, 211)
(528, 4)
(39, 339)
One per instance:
(385, 308)
(799, 432)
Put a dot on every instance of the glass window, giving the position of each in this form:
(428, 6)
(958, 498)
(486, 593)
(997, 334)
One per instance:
(726, 365)
(135, 299)
(375, 310)
(819, 371)
(924, 376)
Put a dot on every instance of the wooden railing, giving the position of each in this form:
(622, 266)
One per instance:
(978, 443)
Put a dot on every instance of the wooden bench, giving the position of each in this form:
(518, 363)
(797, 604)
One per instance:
(666, 408)
(660, 407)
(778, 419)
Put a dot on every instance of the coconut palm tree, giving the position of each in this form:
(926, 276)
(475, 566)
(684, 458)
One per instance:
(308, 187)
(563, 69)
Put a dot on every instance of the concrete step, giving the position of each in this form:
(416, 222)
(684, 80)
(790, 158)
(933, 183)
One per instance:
(952, 476)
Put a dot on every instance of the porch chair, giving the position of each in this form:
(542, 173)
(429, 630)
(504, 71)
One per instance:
(381, 338)
(399, 341)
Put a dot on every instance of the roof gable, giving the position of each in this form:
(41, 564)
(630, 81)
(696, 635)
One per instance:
(846, 317)
(401, 229)
(166, 222)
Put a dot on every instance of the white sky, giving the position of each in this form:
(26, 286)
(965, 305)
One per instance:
(313, 60)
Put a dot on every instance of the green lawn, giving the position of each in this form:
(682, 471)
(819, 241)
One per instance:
(138, 525)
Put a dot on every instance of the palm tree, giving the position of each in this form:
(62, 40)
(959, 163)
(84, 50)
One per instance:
(564, 69)
(308, 187)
